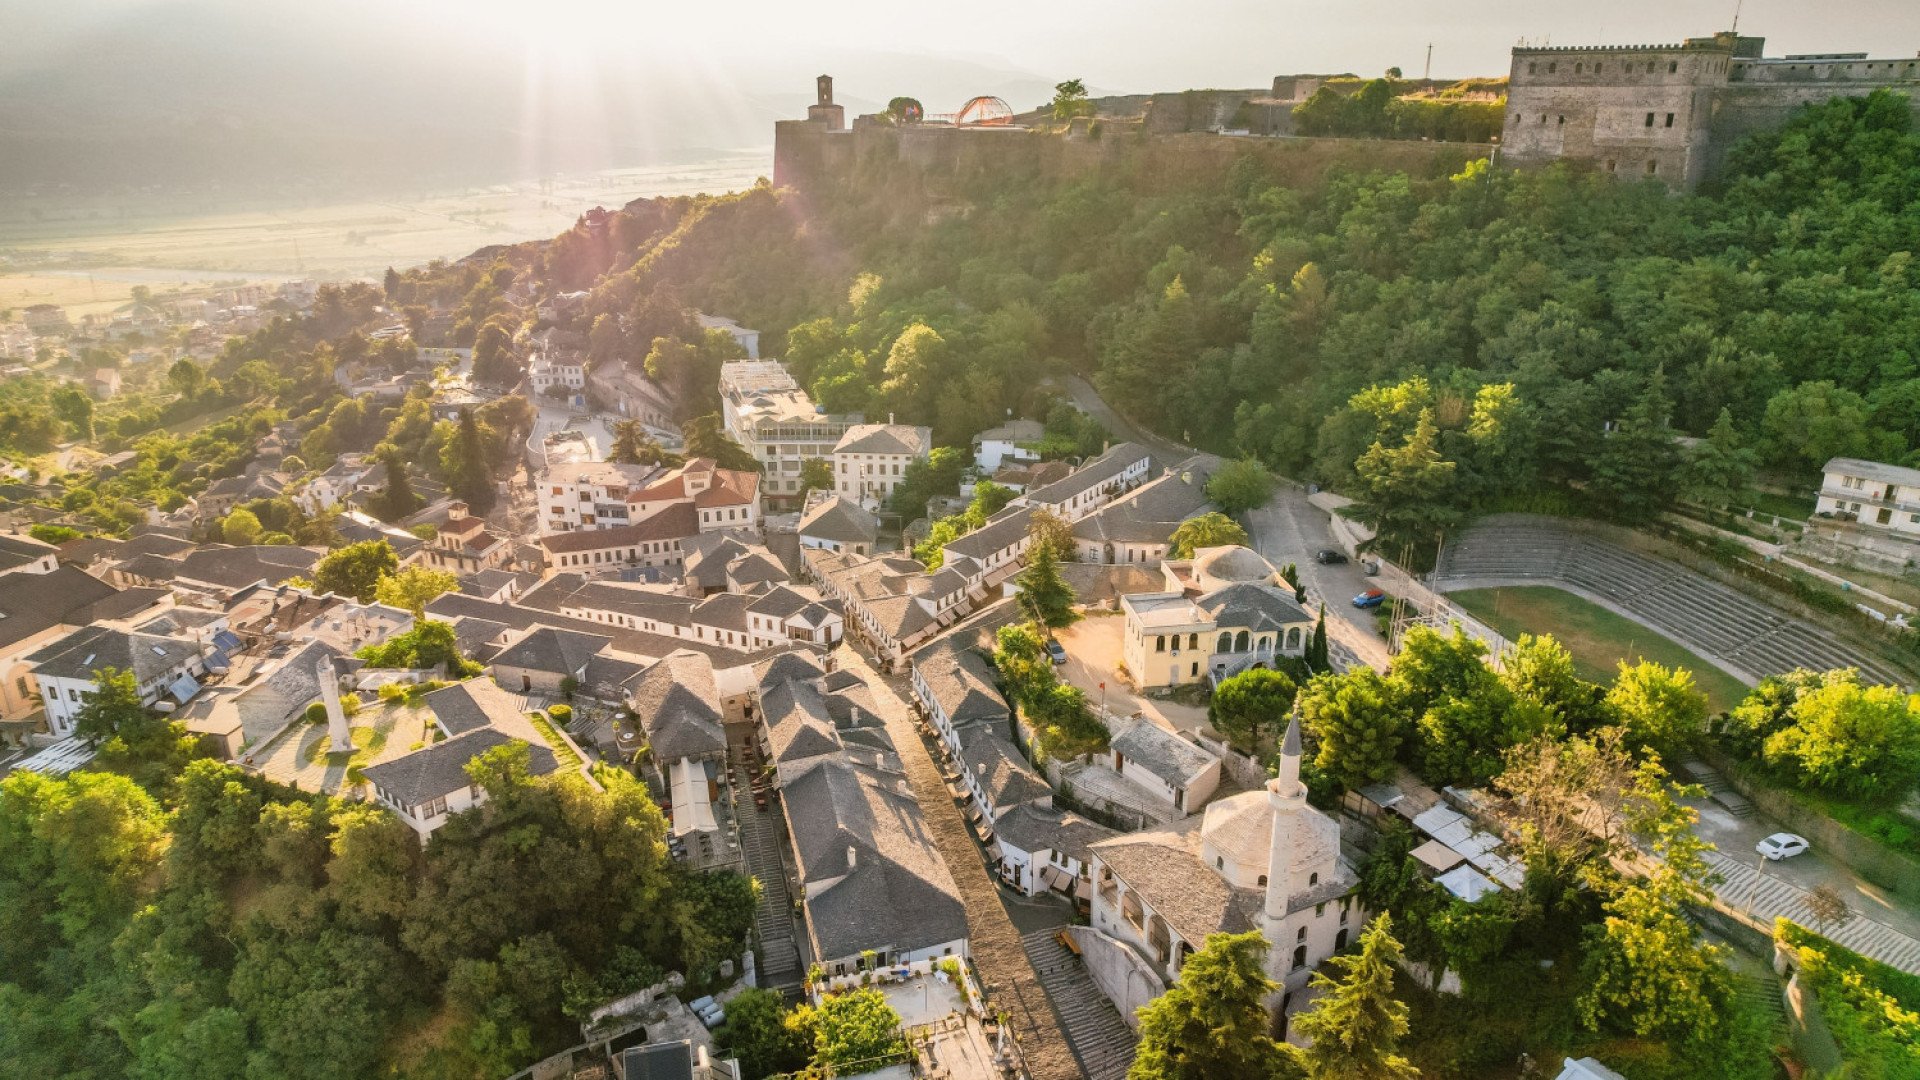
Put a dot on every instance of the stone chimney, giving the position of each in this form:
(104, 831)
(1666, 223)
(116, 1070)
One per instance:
(339, 737)
(853, 858)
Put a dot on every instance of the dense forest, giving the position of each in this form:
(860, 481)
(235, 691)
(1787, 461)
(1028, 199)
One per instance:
(214, 926)
(1488, 337)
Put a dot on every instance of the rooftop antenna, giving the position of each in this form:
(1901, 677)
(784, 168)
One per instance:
(1737, 4)
(1427, 75)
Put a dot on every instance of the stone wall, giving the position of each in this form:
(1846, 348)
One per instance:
(1120, 973)
(930, 163)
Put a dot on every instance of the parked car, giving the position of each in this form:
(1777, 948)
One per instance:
(1781, 845)
(1055, 651)
(1370, 598)
(1329, 557)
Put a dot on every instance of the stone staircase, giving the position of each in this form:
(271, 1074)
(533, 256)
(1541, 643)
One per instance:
(1718, 789)
(778, 955)
(1764, 994)
(1101, 1040)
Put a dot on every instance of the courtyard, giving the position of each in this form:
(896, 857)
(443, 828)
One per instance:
(299, 756)
(1093, 658)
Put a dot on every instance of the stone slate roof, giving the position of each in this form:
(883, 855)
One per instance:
(33, 603)
(238, 567)
(1001, 772)
(1092, 474)
(1164, 866)
(1161, 752)
(545, 648)
(860, 828)
(679, 706)
(441, 769)
(90, 648)
(675, 521)
(799, 725)
(961, 683)
(1150, 513)
(841, 521)
(1032, 827)
(885, 439)
(1002, 531)
(634, 642)
(22, 550)
(471, 705)
(1253, 605)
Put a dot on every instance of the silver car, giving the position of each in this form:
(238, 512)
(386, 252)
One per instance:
(1781, 845)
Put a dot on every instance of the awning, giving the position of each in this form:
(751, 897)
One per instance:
(1466, 883)
(183, 689)
(692, 812)
(1056, 877)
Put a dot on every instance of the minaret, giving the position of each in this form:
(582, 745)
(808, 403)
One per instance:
(1286, 798)
(339, 736)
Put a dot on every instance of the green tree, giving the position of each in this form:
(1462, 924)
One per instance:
(1317, 658)
(916, 365)
(1356, 725)
(75, 409)
(1660, 707)
(604, 341)
(1541, 670)
(1356, 1024)
(816, 474)
(464, 463)
(1633, 470)
(1240, 486)
(758, 1034)
(1046, 529)
(355, 570)
(186, 378)
(413, 588)
(1718, 471)
(632, 445)
(494, 362)
(705, 438)
(430, 644)
(1856, 741)
(1213, 1022)
(1070, 100)
(113, 707)
(856, 1031)
(938, 473)
(241, 528)
(1251, 705)
(1815, 421)
(1406, 492)
(1211, 529)
(1044, 591)
(397, 499)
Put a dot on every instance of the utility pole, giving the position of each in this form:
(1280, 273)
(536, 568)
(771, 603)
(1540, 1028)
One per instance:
(1428, 73)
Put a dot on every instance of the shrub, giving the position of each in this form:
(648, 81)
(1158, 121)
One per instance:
(316, 713)
(560, 714)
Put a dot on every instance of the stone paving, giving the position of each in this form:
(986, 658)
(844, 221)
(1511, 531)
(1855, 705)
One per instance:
(1007, 976)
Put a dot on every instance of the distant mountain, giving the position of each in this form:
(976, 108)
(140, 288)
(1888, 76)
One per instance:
(241, 97)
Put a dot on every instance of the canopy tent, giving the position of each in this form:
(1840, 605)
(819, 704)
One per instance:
(692, 810)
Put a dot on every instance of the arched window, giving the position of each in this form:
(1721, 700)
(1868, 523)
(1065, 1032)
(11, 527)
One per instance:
(1299, 957)
(1226, 642)
(1340, 941)
(1312, 880)
(1301, 935)
(1193, 641)
(1263, 881)
(1240, 642)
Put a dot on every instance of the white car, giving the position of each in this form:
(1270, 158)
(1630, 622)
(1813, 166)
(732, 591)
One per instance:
(1781, 845)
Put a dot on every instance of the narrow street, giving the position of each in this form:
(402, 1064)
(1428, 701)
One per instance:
(1006, 973)
(1289, 529)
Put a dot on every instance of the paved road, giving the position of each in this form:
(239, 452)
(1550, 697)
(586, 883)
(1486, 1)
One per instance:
(1006, 973)
(1085, 396)
(1289, 529)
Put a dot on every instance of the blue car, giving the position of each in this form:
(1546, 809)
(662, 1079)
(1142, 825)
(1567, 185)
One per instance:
(1370, 598)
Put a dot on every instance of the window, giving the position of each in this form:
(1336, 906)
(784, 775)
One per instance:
(1219, 863)
(1652, 167)
(1312, 880)
(437, 807)
(1673, 66)
(1299, 957)
(1551, 68)
(1263, 881)
(1649, 119)
(1533, 68)
(1301, 935)
(1160, 643)
(1319, 909)
(1611, 165)
(1578, 68)
(1562, 122)
(1669, 119)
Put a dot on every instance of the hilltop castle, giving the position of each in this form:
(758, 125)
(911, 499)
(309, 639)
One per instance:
(1671, 111)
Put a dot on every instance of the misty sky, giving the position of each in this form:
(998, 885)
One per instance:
(1118, 45)
(161, 93)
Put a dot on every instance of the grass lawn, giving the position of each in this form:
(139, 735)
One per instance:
(1597, 638)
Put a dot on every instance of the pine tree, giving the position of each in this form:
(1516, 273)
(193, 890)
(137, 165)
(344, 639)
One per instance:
(1050, 597)
(1317, 646)
(398, 500)
(1356, 1024)
(464, 464)
(1213, 1023)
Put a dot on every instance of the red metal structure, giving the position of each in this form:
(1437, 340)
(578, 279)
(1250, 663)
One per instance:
(984, 111)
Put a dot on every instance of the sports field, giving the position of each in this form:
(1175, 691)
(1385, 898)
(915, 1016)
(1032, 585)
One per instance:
(1597, 638)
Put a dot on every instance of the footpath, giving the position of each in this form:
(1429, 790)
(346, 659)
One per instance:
(1000, 960)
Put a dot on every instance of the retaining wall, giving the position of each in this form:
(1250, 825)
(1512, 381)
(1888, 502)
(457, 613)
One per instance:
(1885, 866)
(1118, 971)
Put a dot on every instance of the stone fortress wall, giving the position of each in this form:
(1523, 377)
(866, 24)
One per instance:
(1671, 111)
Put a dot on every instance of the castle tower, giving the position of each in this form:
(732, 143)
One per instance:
(1286, 799)
(339, 737)
(823, 110)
